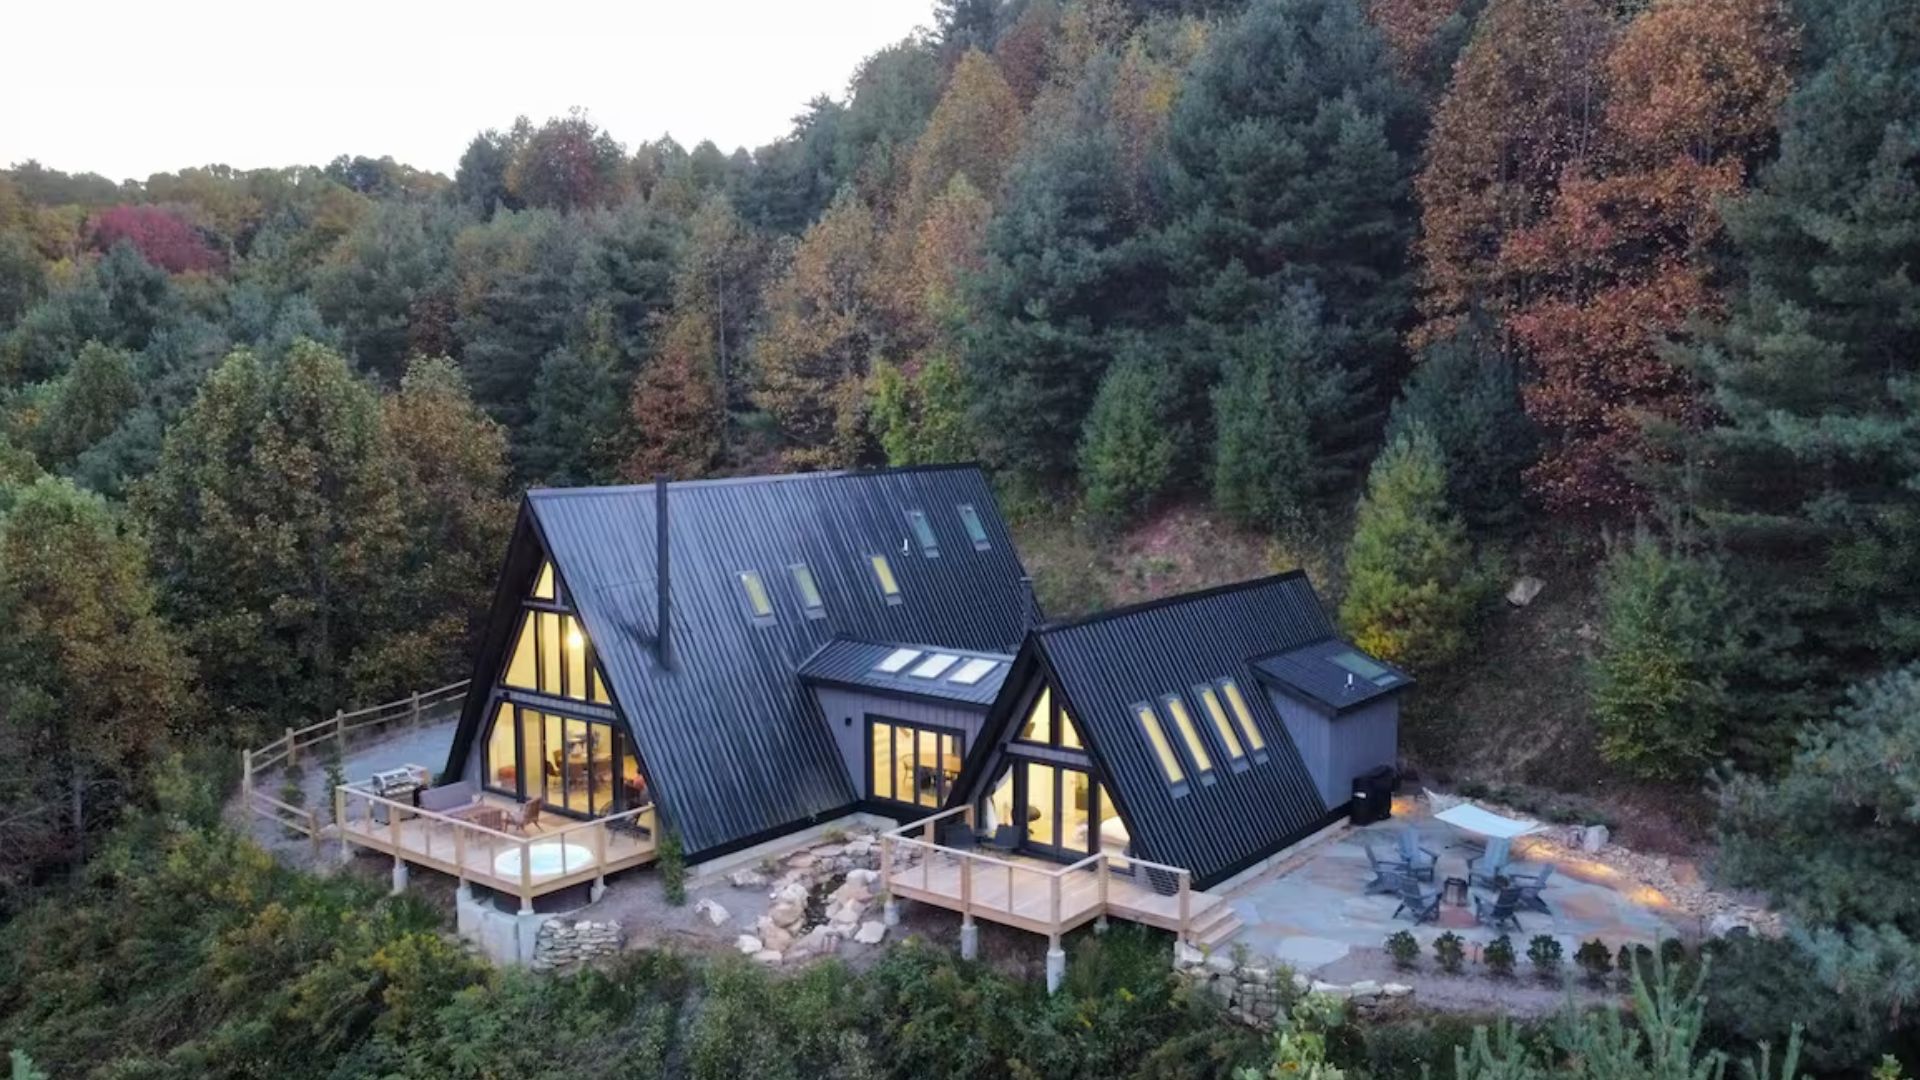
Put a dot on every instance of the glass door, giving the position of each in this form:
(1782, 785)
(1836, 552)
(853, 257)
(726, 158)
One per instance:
(1061, 808)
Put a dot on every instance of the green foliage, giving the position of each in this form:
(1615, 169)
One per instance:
(1466, 392)
(1277, 414)
(671, 860)
(1131, 442)
(1499, 957)
(1595, 961)
(921, 419)
(1759, 989)
(1670, 634)
(1544, 953)
(1450, 950)
(387, 287)
(1404, 948)
(1411, 582)
(1300, 1042)
(96, 395)
(22, 1067)
(575, 411)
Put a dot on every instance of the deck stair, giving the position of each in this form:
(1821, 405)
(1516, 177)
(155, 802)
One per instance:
(1216, 926)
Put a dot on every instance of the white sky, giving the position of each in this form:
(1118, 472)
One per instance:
(131, 87)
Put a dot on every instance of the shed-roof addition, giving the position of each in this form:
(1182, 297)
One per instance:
(1332, 674)
(934, 672)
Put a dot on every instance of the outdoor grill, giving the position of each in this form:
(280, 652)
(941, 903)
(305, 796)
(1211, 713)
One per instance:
(397, 784)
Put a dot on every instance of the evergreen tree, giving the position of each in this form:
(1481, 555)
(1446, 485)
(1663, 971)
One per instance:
(1132, 442)
(1277, 405)
(1466, 393)
(383, 275)
(1810, 477)
(480, 183)
(677, 412)
(576, 408)
(1411, 584)
(517, 291)
(88, 404)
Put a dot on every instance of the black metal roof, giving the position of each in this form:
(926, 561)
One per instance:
(855, 664)
(1333, 674)
(730, 738)
(1105, 664)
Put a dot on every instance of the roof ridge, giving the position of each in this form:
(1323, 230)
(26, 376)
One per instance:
(1169, 601)
(814, 475)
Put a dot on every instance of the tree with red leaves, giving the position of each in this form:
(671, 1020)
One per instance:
(161, 236)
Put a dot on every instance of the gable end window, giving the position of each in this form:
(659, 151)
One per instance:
(883, 578)
(1238, 703)
(1223, 727)
(809, 591)
(1170, 766)
(759, 603)
(1189, 735)
(923, 532)
(976, 531)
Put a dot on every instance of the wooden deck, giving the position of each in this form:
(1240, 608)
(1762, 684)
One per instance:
(1044, 897)
(581, 851)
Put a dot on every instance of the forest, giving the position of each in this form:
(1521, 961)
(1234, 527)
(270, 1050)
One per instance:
(1422, 294)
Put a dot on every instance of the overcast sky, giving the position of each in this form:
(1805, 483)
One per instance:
(131, 87)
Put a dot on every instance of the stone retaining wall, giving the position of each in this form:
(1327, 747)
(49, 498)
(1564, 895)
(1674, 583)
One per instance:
(1254, 991)
(563, 944)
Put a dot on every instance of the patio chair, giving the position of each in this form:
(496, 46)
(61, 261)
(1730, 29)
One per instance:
(1500, 912)
(1420, 905)
(1420, 861)
(1387, 873)
(525, 818)
(1485, 868)
(956, 835)
(1530, 886)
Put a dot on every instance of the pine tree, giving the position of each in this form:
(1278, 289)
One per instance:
(372, 287)
(1411, 583)
(1809, 476)
(576, 411)
(1466, 393)
(516, 290)
(1131, 442)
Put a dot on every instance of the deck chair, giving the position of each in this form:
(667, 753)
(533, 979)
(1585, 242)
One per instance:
(1500, 912)
(1530, 886)
(1486, 868)
(525, 818)
(1419, 905)
(1420, 861)
(1387, 873)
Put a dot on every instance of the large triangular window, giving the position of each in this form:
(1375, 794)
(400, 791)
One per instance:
(551, 654)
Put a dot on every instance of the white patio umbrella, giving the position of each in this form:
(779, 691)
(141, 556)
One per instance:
(1485, 822)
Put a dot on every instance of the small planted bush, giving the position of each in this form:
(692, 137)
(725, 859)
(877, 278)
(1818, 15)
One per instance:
(1544, 953)
(1404, 948)
(1673, 952)
(1499, 957)
(672, 860)
(1450, 951)
(1595, 961)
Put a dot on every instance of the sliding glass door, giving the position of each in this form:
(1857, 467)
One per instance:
(577, 766)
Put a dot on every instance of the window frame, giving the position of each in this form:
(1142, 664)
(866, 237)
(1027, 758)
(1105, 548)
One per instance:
(805, 585)
(1223, 726)
(880, 568)
(1250, 733)
(974, 526)
(1160, 747)
(944, 786)
(921, 526)
(753, 586)
(1194, 740)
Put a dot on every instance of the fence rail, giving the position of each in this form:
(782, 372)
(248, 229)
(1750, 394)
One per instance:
(297, 744)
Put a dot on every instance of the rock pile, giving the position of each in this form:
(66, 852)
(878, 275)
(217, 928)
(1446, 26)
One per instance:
(1255, 991)
(563, 943)
(1678, 882)
(822, 896)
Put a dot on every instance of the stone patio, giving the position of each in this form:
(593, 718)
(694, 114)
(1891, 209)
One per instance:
(1313, 910)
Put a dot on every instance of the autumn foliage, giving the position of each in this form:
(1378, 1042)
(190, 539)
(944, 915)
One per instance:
(162, 237)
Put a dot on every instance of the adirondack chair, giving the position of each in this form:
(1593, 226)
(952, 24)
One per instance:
(1420, 861)
(1500, 912)
(1387, 873)
(1485, 868)
(1420, 906)
(1530, 886)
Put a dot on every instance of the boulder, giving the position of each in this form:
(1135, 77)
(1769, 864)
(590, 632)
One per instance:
(1728, 924)
(768, 957)
(1593, 838)
(747, 879)
(791, 893)
(748, 944)
(863, 876)
(1333, 990)
(786, 913)
(1364, 988)
(1220, 964)
(1395, 990)
(871, 932)
(1522, 592)
(710, 910)
(1301, 983)
(776, 937)
(1186, 956)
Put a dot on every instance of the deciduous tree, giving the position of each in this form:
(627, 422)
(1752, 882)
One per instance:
(567, 163)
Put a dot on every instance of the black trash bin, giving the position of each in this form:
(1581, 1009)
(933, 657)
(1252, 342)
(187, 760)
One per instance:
(1373, 795)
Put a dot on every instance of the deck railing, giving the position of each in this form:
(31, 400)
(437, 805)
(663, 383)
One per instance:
(471, 852)
(902, 853)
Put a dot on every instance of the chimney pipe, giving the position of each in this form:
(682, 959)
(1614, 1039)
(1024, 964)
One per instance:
(663, 622)
(1027, 606)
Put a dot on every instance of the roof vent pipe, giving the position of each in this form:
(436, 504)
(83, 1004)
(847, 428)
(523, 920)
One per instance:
(663, 622)
(1028, 606)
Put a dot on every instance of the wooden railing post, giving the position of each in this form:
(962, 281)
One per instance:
(526, 878)
(966, 887)
(1009, 888)
(416, 709)
(246, 778)
(600, 861)
(1186, 904)
(460, 852)
(886, 863)
(1103, 869)
(292, 750)
(1054, 922)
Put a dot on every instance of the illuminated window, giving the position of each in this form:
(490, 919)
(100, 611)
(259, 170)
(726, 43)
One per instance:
(543, 586)
(1157, 738)
(520, 669)
(897, 659)
(1244, 715)
(923, 532)
(883, 577)
(1189, 733)
(973, 671)
(1223, 727)
(1069, 732)
(600, 690)
(1039, 725)
(803, 583)
(976, 532)
(932, 666)
(759, 604)
(912, 764)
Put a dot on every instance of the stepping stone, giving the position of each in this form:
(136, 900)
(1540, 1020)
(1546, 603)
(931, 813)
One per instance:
(1309, 953)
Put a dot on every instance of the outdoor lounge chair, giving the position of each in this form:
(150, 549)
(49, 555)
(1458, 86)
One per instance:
(1387, 873)
(1486, 868)
(1420, 906)
(525, 818)
(1500, 912)
(1530, 886)
(1419, 861)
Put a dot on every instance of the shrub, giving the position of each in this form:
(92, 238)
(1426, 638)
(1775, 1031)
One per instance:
(672, 859)
(1130, 446)
(1404, 948)
(1544, 952)
(336, 776)
(1759, 989)
(1629, 959)
(1450, 951)
(1596, 960)
(1499, 957)
(1673, 952)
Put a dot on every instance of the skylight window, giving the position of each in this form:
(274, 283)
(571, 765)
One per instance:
(1245, 716)
(759, 604)
(923, 532)
(803, 583)
(934, 665)
(1223, 727)
(1189, 733)
(976, 531)
(1368, 669)
(973, 671)
(1157, 738)
(897, 659)
(883, 577)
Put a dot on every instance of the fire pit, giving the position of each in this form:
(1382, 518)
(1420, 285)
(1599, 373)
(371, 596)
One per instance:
(1454, 891)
